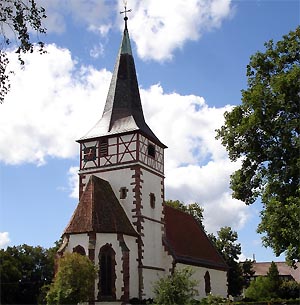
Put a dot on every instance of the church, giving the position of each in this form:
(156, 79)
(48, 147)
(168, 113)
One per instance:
(121, 222)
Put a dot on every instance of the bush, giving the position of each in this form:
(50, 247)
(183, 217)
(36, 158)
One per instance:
(213, 300)
(175, 289)
(74, 280)
(289, 290)
(260, 289)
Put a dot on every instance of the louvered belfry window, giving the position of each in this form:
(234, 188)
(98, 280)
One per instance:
(103, 147)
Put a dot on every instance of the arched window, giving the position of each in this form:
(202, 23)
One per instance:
(79, 249)
(207, 283)
(107, 274)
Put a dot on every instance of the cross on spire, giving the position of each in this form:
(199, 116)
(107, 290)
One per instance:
(125, 12)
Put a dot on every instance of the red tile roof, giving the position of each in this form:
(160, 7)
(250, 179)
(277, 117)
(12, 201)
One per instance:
(99, 211)
(187, 241)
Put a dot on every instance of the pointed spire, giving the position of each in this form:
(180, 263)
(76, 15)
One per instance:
(123, 108)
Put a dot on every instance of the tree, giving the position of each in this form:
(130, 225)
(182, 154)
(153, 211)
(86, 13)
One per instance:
(17, 19)
(263, 132)
(24, 271)
(194, 209)
(226, 243)
(247, 272)
(273, 276)
(74, 280)
(178, 288)
(289, 290)
(260, 289)
(10, 277)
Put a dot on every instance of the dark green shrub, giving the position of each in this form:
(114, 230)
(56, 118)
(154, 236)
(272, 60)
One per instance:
(289, 290)
(213, 300)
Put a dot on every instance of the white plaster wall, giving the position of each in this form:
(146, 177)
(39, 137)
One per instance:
(167, 261)
(133, 266)
(218, 280)
(78, 239)
(152, 184)
(153, 248)
(150, 277)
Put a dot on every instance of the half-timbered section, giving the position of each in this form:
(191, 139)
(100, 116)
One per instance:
(109, 151)
(120, 150)
(151, 154)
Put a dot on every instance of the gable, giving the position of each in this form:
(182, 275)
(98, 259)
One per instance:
(99, 211)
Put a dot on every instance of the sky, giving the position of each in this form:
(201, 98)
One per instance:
(191, 59)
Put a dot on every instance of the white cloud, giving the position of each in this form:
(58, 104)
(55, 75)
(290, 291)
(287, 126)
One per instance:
(157, 28)
(168, 25)
(46, 110)
(243, 257)
(73, 181)
(4, 239)
(97, 51)
(92, 13)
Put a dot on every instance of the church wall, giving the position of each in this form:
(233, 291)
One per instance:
(218, 280)
(107, 238)
(103, 239)
(150, 276)
(153, 243)
(133, 266)
(152, 184)
(78, 239)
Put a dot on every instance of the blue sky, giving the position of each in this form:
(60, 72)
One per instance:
(190, 58)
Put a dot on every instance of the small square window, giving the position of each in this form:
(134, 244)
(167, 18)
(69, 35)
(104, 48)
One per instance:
(123, 192)
(151, 150)
(152, 200)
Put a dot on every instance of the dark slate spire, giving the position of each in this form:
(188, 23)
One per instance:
(123, 108)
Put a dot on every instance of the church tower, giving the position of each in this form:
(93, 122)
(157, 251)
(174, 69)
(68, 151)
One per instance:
(120, 222)
(121, 191)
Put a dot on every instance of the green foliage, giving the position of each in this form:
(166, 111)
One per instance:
(227, 245)
(24, 270)
(17, 18)
(10, 277)
(282, 224)
(178, 288)
(266, 288)
(289, 290)
(263, 132)
(74, 280)
(213, 300)
(193, 209)
(260, 289)
(273, 276)
(247, 272)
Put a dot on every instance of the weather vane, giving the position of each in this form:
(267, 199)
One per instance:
(125, 13)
